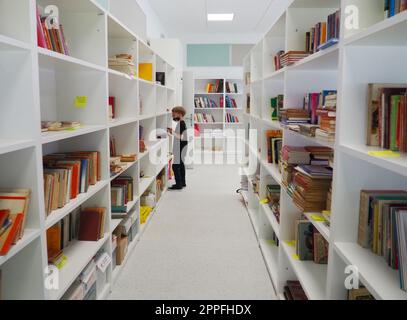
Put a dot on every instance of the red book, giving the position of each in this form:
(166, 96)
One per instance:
(7, 239)
(40, 32)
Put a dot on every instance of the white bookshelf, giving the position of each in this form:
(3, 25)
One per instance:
(219, 141)
(38, 84)
(346, 67)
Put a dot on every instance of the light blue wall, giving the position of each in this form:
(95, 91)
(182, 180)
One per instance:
(103, 3)
(208, 55)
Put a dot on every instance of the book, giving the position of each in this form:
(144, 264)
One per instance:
(146, 71)
(305, 240)
(321, 248)
(295, 291)
(360, 294)
(11, 233)
(91, 224)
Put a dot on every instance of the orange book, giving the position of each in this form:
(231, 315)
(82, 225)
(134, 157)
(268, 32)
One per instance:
(15, 200)
(74, 187)
(323, 33)
(53, 240)
(7, 239)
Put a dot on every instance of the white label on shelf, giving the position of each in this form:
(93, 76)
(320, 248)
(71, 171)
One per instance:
(103, 262)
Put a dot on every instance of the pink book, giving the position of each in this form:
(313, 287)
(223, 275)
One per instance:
(40, 33)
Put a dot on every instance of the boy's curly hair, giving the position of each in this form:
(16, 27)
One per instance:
(180, 110)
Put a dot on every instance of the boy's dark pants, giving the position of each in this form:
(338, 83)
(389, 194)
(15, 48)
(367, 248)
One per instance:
(179, 169)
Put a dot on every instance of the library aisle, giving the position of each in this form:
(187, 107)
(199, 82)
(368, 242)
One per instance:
(199, 245)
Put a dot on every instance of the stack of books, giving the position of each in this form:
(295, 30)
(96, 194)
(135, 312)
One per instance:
(320, 156)
(273, 196)
(51, 36)
(294, 116)
(290, 158)
(59, 126)
(360, 294)
(323, 34)
(311, 184)
(387, 114)
(308, 130)
(13, 212)
(231, 118)
(294, 291)
(68, 174)
(382, 227)
(122, 192)
(204, 102)
(204, 118)
(123, 63)
(277, 60)
(393, 7)
(310, 244)
(291, 57)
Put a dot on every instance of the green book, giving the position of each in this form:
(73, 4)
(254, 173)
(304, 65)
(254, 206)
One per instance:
(394, 113)
(274, 108)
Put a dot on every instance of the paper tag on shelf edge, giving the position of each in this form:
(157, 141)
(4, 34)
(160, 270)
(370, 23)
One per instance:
(317, 218)
(290, 243)
(384, 154)
(81, 102)
(264, 201)
(295, 256)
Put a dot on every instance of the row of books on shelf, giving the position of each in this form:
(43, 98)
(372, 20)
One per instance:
(273, 199)
(316, 118)
(204, 118)
(86, 224)
(216, 87)
(91, 282)
(230, 102)
(14, 204)
(231, 118)
(231, 87)
(393, 7)
(50, 34)
(383, 227)
(122, 192)
(205, 102)
(323, 34)
(310, 244)
(68, 174)
(387, 116)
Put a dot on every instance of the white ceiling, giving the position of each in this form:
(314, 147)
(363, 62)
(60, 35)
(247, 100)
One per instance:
(187, 17)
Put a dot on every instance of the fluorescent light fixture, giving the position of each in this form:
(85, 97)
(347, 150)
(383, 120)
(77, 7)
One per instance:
(220, 16)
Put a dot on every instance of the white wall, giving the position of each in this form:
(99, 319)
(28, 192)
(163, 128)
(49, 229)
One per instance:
(155, 28)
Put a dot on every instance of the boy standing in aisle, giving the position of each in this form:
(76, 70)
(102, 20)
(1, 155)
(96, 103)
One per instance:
(179, 148)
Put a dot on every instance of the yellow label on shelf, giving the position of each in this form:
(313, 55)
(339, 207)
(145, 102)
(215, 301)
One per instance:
(317, 218)
(271, 242)
(81, 102)
(61, 263)
(295, 256)
(290, 243)
(327, 212)
(384, 154)
(264, 201)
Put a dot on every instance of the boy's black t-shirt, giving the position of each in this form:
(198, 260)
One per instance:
(179, 145)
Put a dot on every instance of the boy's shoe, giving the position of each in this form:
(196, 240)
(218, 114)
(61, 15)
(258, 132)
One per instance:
(175, 187)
